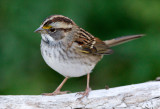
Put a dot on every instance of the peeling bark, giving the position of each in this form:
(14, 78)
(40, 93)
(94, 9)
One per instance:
(138, 96)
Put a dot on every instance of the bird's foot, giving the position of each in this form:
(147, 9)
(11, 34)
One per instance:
(84, 94)
(55, 93)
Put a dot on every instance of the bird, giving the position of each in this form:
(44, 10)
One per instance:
(72, 51)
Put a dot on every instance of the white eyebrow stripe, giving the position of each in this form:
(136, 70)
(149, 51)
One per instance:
(61, 25)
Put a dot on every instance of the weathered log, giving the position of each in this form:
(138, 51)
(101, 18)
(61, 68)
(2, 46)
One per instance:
(137, 96)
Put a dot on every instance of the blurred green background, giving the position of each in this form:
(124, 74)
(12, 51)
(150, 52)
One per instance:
(23, 71)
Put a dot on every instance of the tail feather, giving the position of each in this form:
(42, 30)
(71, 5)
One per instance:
(120, 40)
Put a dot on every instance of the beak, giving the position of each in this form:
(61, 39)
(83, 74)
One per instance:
(38, 30)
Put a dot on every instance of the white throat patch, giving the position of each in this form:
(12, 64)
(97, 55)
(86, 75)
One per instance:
(47, 37)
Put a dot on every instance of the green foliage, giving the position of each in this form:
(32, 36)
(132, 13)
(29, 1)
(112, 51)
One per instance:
(23, 71)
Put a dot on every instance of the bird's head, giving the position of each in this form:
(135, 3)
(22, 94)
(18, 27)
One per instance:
(55, 27)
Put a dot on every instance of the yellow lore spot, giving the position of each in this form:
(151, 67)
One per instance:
(46, 27)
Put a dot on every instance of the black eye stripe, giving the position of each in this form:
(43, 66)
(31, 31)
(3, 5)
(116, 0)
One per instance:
(60, 29)
(64, 29)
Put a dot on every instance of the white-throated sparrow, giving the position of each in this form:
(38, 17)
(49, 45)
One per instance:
(72, 51)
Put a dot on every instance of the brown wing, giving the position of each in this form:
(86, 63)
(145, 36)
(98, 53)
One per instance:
(90, 44)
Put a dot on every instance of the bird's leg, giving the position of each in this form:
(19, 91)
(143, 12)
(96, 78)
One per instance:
(57, 91)
(88, 89)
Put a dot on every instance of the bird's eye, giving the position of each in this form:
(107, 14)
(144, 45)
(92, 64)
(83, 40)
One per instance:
(52, 29)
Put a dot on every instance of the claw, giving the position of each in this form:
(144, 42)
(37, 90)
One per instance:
(84, 94)
(55, 93)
